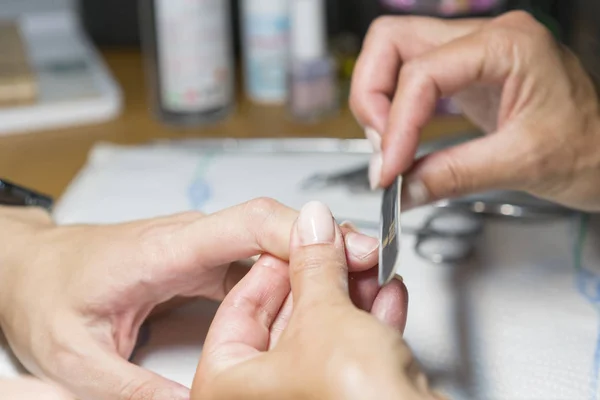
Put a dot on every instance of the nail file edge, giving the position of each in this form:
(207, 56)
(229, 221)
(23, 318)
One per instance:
(383, 280)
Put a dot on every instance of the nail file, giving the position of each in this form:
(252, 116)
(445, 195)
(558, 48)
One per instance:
(390, 230)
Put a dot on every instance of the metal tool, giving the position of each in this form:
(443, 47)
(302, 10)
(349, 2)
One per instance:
(354, 179)
(449, 235)
(390, 231)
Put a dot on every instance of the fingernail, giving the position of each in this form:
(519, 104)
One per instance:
(415, 194)
(375, 170)
(375, 139)
(399, 277)
(315, 224)
(361, 246)
(349, 225)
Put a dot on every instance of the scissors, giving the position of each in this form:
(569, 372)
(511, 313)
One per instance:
(450, 233)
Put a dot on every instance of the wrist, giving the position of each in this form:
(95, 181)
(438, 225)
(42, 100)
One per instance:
(19, 229)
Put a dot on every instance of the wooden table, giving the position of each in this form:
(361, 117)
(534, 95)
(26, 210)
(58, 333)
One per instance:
(47, 161)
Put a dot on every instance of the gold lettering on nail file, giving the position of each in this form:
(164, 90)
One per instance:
(390, 231)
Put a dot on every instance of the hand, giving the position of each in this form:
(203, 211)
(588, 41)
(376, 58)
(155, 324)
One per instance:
(72, 298)
(28, 388)
(511, 78)
(313, 342)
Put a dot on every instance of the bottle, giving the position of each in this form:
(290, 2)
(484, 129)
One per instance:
(312, 76)
(265, 35)
(189, 57)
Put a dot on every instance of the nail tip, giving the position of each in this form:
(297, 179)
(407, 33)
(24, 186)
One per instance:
(374, 137)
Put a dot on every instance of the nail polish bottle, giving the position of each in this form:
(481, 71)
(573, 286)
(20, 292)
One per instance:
(189, 60)
(312, 74)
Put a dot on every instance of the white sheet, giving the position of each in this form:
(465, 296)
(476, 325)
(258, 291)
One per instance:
(518, 322)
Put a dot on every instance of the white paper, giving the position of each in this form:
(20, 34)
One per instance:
(518, 322)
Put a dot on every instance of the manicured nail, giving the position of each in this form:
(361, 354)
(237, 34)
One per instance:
(375, 170)
(415, 194)
(315, 224)
(361, 246)
(375, 139)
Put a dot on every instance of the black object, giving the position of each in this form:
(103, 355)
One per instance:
(111, 22)
(14, 195)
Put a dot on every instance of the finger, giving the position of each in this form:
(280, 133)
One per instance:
(281, 321)
(256, 227)
(439, 73)
(241, 326)
(190, 254)
(361, 250)
(498, 161)
(390, 42)
(318, 268)
(235, 272)
(391, 305)
(27, 388)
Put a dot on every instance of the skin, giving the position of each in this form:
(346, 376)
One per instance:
(530, 95)
(303, 331)
(72, 298)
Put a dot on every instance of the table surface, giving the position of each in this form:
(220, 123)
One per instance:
(47, 161)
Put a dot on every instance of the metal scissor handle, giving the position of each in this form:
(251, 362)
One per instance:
(448, 243)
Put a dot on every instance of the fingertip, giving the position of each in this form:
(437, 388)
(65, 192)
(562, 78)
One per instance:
(361, 251)
(391, 305)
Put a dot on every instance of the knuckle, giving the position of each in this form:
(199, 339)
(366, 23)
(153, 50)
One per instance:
(261, 220)
(501, 42)
(518, 18)
(524, 29)
(381, 26)
(313, 262)
(261, 209)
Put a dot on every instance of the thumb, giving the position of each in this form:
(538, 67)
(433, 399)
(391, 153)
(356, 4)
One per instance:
(498, 161)
(318, 269)
(97, 374)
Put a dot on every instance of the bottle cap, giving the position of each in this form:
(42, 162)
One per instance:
(308, 29)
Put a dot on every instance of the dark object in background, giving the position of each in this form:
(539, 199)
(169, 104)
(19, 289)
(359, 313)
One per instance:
(584, 34)
(115, 23)
(111, 22)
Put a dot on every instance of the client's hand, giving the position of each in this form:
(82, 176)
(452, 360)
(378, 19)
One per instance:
(260, 346)
(72, 298)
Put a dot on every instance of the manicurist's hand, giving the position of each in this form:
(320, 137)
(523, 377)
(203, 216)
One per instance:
(529, 93)
(72, 298)
(329, 334)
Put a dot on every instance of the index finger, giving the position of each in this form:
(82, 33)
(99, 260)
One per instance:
(390, 42)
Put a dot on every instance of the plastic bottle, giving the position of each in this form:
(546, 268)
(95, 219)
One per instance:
(265, 34)
(189, 57)
(313, 77)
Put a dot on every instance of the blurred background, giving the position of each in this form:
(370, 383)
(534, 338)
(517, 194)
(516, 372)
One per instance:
(73, 73)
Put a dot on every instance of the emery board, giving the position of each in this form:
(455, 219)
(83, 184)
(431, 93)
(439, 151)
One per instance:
(390, 231)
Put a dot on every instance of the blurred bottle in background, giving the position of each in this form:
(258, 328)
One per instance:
(312, 74)
(189, 59)
(265, 36)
